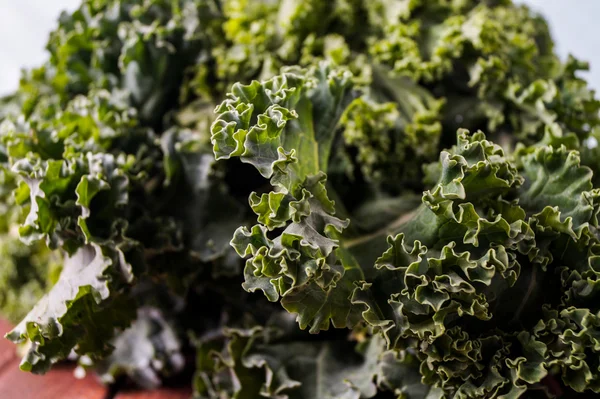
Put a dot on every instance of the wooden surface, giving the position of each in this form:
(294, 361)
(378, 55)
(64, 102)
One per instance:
(60, 382)
(165, 393)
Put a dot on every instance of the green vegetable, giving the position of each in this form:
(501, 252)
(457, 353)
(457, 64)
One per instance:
(413, 186)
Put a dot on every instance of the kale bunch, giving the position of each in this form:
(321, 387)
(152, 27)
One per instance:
(413, 185)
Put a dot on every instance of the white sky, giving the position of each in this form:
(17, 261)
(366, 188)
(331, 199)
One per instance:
(574, 27)
(24, 27)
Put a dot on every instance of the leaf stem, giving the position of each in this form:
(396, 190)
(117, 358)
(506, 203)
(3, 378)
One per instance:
(385, 230)
(532, 282)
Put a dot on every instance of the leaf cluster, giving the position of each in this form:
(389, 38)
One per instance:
(174, 159)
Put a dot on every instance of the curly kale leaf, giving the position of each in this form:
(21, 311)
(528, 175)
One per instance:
(285, 128)
(271, 362)
(497, 262)
(80, 311)
(147, 350)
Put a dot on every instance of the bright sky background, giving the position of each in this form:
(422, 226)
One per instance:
(25, 25)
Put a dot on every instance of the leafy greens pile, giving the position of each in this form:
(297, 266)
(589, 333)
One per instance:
(413, 186)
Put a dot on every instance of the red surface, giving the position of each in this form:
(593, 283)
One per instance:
(7, 350)
(165, 393)
(60, 383)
